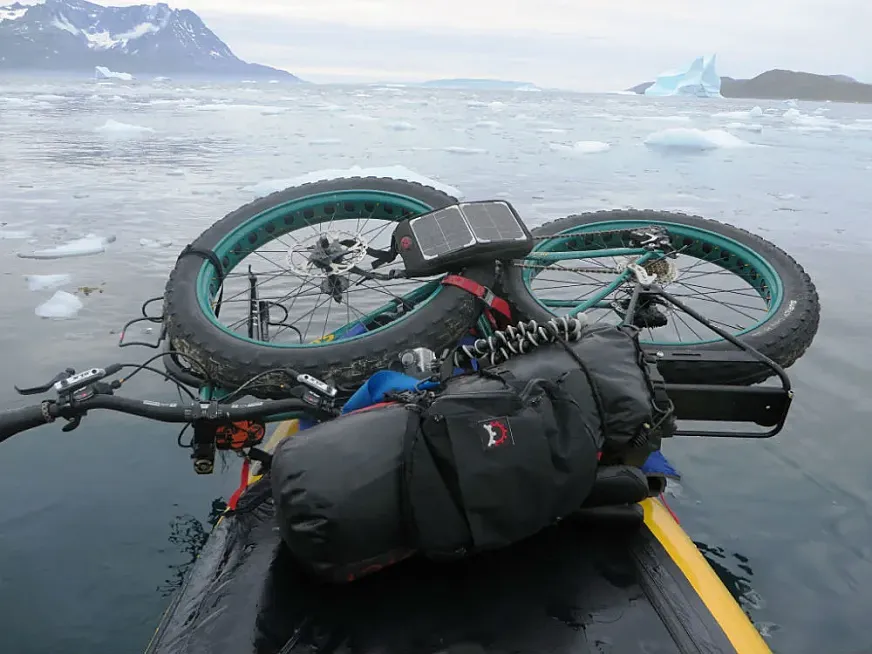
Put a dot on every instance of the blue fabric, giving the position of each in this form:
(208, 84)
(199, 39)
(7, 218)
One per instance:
(376, 387)
(356, 330)
(658, 465)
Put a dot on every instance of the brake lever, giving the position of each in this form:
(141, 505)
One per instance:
(70, 382)
(72, 423)
(36, 390)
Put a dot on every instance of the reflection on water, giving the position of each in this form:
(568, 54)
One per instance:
(740, 587)
(189, 535)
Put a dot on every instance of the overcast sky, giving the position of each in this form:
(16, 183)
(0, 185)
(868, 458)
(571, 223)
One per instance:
(578, 44)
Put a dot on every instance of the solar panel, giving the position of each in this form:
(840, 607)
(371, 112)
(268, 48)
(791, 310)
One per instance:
(493, 221)
(441, 232)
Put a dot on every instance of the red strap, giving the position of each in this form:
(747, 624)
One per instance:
(669, 508)
(377, 405)
(483, 293)
(234, 499)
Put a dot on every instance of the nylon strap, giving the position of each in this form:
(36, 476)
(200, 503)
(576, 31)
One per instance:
(483, 293)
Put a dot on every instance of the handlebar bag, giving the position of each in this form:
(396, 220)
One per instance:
(489, 459)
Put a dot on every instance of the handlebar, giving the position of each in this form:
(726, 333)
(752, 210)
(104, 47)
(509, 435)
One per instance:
(14, 421)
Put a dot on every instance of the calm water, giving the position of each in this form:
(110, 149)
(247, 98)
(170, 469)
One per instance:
(95, 523)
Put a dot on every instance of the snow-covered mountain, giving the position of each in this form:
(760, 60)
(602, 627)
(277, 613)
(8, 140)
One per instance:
(74, 35)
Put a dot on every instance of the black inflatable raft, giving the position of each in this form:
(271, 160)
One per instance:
(629, 581)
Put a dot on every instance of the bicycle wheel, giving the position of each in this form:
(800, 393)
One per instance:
(742, 283)
(296, 273)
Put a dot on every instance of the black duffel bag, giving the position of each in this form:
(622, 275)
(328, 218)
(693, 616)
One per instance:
(487, 460)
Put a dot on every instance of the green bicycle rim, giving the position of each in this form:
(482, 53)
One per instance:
(731, 255)
(298, 214)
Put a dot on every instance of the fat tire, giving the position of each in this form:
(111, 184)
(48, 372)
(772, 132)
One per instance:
(231, 361)
(784, 338)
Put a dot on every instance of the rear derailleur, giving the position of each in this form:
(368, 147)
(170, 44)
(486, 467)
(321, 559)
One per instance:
(647, 315)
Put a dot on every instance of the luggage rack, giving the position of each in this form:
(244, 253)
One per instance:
(766, 406)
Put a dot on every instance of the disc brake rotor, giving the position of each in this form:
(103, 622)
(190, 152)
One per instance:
(329, 253)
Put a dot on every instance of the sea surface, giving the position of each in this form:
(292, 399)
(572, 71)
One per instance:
(97, 525)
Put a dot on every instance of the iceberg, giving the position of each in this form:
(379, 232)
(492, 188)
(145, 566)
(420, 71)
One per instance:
(90, 244)
(101, 72)
(684, 138)
(43, 282)
(60, 306)
(699, 80)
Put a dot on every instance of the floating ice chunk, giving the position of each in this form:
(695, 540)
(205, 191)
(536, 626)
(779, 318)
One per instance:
(551, 130)
(262, 108)
(329, 141)
(670, 119)
(81, 247)
(791, 103)
(491, 124)
(700, 79)
(685, 138)
(14, 234)
(114, 128)
(496, 105)
(151, 243)
(811, 129)
(49, 97)
(612, 117)
(804, 123)
(394, 172)
(851, 127)
(45, 282)
(457, 149)
(362, 118)
(748, 127)
(101, 72)
(61, 306)
(581, 147)
(756, 112)
(401, 126)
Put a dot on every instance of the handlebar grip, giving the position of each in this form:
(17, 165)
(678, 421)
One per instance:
(14, 421)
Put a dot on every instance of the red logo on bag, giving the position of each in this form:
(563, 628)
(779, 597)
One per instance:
(495, 432)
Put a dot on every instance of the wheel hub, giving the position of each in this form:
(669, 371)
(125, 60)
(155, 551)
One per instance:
(326, 254)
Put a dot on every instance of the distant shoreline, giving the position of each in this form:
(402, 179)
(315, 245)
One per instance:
(780, 84)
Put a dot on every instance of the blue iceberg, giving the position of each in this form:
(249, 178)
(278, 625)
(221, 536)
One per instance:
(700, 80)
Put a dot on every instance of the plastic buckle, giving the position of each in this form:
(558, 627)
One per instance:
(491, 300)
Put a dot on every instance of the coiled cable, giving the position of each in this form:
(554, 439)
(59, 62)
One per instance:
(520, 339)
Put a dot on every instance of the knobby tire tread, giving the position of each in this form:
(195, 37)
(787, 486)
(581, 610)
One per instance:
(784, 339)
(441, 323)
